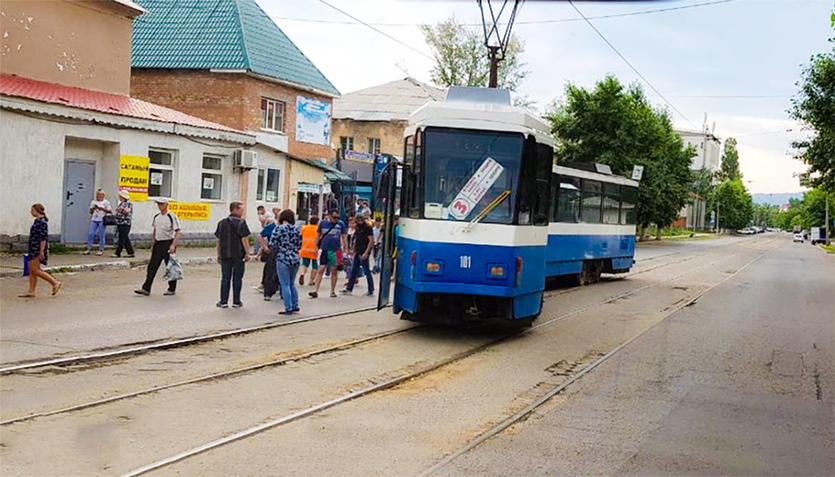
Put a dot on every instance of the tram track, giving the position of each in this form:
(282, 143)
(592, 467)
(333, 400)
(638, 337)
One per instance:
(526, 411)
(351, 344)
(100, 355)
(389, 383)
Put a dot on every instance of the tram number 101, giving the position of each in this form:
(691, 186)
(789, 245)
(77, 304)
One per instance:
(465, 261)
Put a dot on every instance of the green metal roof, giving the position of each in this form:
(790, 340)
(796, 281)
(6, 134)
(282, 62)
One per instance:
(220, 34)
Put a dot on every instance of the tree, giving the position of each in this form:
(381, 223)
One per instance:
(730, 161)
(618, 126)
(736, 208)
(815, 107)
(461, 57)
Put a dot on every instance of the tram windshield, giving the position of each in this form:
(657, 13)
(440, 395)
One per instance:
(471, 175)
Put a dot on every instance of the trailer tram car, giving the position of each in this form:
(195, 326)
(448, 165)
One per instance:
(486, 218)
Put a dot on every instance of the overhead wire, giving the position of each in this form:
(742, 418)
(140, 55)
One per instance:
(530, 22)
(377, 30)
(635, 70)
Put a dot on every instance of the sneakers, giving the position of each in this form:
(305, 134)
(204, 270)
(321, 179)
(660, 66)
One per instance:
(268, 298)
(237, 305)
(371, 293)
(115, 256)
(313, 294)
(169, 293)
(220, 304)
(142, 292)
(346, 291)
(259, 288)
(86, 252)
(131, 255)
(100, 253)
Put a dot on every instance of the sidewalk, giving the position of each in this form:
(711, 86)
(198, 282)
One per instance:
(12, 265)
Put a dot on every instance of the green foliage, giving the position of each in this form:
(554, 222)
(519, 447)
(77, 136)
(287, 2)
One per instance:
(807, 212)
(814, 105)
(766, 215)
(730, 161)
(736, 208)
(618, 126)
(461, 57)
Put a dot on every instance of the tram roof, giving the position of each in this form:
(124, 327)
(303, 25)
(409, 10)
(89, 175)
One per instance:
(583, 174)
(479, 111)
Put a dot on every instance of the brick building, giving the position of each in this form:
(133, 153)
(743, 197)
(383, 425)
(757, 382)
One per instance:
(372, 120)
(228, 62)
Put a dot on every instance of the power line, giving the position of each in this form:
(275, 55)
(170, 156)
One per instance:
(532, 22)
(635, 70)
(377, 30)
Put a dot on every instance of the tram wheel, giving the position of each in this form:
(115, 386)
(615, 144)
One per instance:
(590, 273)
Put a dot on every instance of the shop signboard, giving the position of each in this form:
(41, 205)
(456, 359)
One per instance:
(190, 210)
(133, 176)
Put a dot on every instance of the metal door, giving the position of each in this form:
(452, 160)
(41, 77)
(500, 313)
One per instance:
(79, 180)
(388, 193)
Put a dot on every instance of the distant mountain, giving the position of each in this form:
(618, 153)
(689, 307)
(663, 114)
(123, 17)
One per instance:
(779, 198)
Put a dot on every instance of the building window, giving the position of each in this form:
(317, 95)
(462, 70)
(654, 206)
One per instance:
(161, 172)
(211, 180)
(346, 143)
(268, 185)
(272, 115)
(374, 145)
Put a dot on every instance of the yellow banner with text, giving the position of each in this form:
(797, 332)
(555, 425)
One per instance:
(190, 210)
(133, 176)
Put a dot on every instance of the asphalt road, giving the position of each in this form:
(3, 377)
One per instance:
(739, 383)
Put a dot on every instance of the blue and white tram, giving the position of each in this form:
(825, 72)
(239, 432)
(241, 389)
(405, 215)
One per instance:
(486, 218)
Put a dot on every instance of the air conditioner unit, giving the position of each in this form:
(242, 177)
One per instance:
(245, 159)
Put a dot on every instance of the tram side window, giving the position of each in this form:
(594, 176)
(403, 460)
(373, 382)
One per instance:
(592, 199)
(544, 165)
(628, 213)
(611, 204)
(568, 203)
(417, 197)
(409, 179)
(555, 193)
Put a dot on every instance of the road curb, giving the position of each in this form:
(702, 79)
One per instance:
(117, 265)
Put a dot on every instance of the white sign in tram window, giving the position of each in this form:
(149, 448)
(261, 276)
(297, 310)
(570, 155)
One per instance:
(208, 183)
(475, 188)
(156, 178)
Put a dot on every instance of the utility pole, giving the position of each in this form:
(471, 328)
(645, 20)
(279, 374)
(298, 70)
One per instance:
(493, 54)
(827, 219)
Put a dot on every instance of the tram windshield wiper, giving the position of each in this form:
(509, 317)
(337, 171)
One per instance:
(487, 209)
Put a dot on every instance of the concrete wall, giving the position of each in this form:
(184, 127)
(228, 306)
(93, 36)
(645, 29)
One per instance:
(32, 170)
(390, 134)
(708, 152)
(76, 43)
(231, 99)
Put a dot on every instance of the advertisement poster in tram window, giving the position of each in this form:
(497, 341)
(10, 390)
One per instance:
(475, 188)
(190, 210)
(313, 121)
(133, 176)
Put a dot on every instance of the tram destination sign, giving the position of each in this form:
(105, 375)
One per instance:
(475, 188)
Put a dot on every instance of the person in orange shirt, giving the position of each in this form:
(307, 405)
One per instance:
(309, 252)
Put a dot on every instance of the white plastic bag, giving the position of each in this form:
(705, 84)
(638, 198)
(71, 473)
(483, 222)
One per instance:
(174, 270)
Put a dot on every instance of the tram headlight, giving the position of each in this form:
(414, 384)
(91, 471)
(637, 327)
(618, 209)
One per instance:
(496, 270)
(433, 267)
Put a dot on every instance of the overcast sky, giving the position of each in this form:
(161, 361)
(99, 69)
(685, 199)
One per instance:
(735, 60)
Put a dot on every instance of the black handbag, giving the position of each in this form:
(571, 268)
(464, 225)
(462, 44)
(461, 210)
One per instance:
(109, 219)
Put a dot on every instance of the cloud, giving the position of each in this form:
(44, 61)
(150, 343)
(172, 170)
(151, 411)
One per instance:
(769, 171)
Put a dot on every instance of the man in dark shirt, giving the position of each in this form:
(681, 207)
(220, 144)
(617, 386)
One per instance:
(232, 251)
(363, 244)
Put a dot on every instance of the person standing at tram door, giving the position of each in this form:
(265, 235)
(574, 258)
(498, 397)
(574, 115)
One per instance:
(363, 243)
(331, 243)
(165, 235)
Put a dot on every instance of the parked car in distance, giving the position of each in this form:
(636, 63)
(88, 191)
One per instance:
(746, 231)
(798, 238)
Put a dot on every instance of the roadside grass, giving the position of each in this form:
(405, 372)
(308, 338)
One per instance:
(827, 248)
